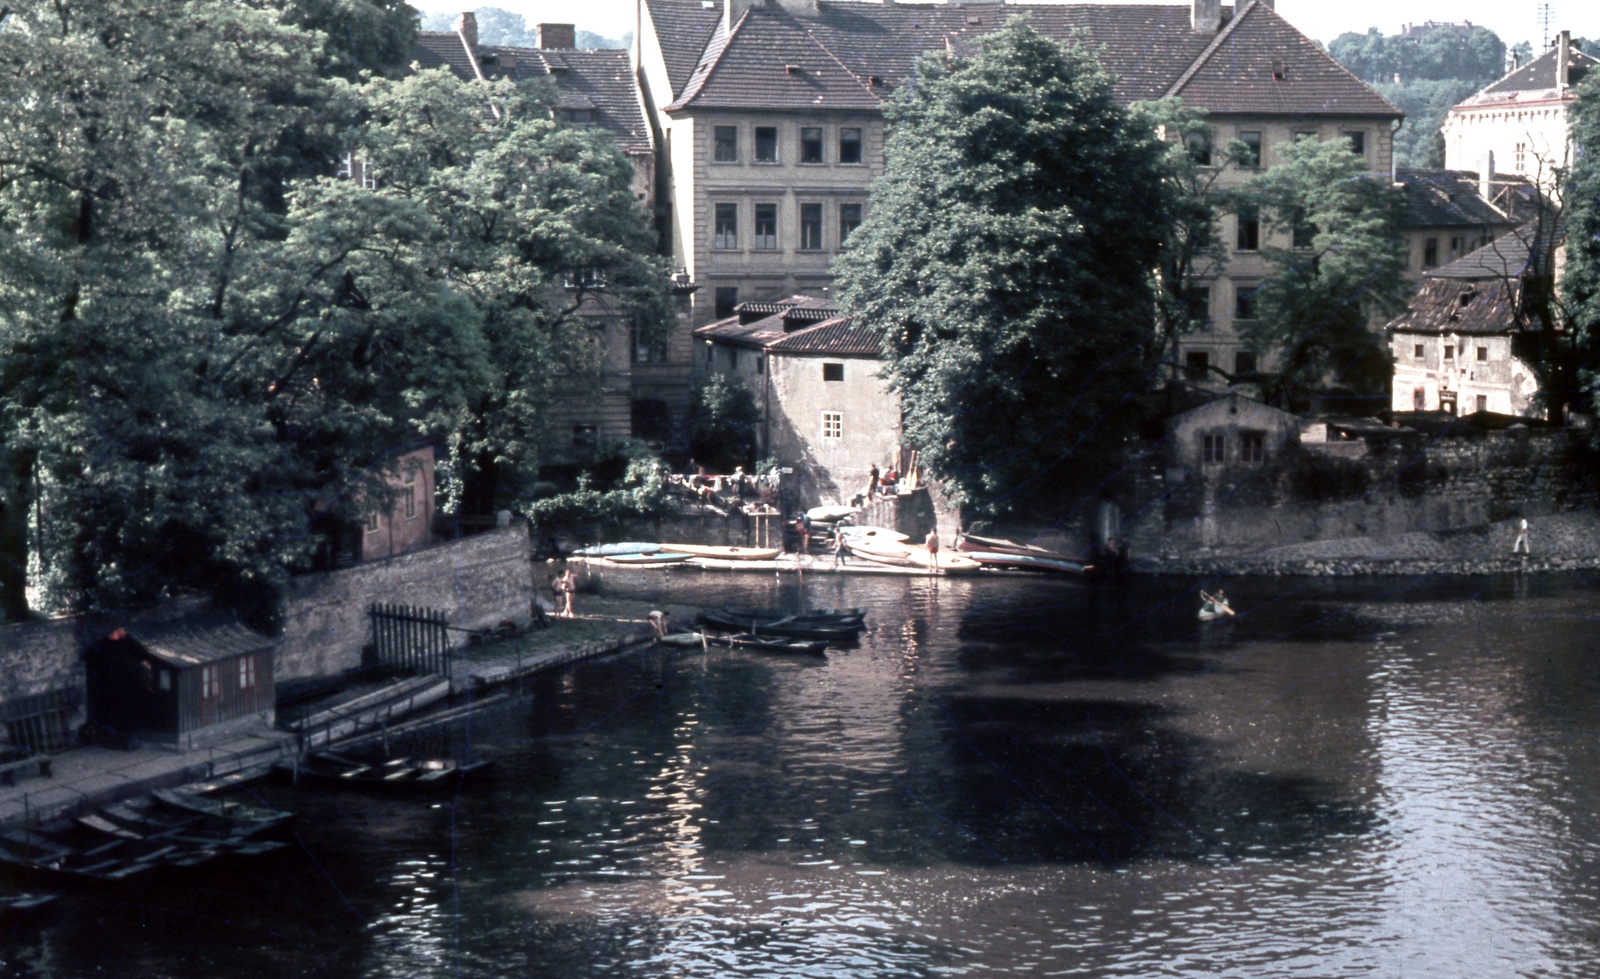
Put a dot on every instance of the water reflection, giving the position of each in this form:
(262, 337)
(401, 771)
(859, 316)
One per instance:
(1352, 778)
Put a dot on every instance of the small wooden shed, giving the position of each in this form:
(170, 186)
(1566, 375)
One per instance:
(180, 684)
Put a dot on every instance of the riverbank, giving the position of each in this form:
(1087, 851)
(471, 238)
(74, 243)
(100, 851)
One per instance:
(1561, 542)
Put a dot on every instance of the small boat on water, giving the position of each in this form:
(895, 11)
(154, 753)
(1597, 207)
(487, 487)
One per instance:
(1214, 607)
(611, 550)
(1026, 562)
(824, 624)
(911, 556)
(228, 816)
(415, 775)
(656, 559)
(142, 819)
(725, 553)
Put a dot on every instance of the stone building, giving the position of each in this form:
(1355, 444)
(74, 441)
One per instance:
(769, 123)
(1451, 213)
(1522, 118)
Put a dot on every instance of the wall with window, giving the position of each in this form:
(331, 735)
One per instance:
(833, 418)
(408, 522)
(1460, 374)
(1528, 138)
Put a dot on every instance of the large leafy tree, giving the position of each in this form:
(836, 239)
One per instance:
(1006, 264)
(1338, 263)
(1575, 307)
(204, 343)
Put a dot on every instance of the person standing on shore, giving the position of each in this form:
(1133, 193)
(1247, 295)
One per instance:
(932, 544)
(1520, 545)
(838, 545)
(567, 584)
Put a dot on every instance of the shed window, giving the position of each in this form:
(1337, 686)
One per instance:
(1212, 448)
(833, 372)
(210, 681)
(1252, 446)
(1449, 352)
(1418, 350)
(247, 672)
(411, 495)
(1483, 353)
(165, 678)
(372, 522)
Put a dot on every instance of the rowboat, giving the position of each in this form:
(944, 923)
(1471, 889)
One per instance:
(52, 856)
(1028, 562)
(226, 816)
(999, 545)
(611, 550)
(803, 625)
(405, 775)
(656, 559)
(139, 819)
(830, 513)
(853, 532)
(766, 644)
(725, 553)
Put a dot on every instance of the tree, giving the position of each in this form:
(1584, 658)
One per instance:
(1345, 265)
(1579, 296)
(1005, 264)
(723, 419)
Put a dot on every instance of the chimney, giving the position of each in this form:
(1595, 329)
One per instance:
(732, 10)
(553, 37)
(467, 26)
(1486, 178)
(1563, 54)
(1206, 16)
(1267, 3)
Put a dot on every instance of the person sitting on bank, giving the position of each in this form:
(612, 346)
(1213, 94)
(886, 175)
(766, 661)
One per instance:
(658, 624)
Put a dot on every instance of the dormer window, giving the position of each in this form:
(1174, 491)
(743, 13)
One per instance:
(578, 117)
(1280, 71)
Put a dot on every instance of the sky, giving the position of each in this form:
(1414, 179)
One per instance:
(1513, 20)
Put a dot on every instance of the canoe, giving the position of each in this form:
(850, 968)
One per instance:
(1211, 613)
(1027, 562)
(397, 775)
(658, 558)
(725, 553)
(999, 545)
(911, 556)
(825, 616)
(48, 855)
(141, 819)
(610, 550)
(851, 532)
(830, 514)
(814, 647)
(224, 815)
(797, 626)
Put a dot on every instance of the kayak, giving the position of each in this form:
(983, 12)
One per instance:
(852, 532)
(651, 560)
(999, 545)
(830, 514)
(726, 553)
(911, 556)
(1030, 562)
(612, 550)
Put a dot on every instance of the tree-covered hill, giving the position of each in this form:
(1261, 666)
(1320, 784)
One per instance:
(502, 27)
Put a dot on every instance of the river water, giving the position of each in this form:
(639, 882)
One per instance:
(1350, 778)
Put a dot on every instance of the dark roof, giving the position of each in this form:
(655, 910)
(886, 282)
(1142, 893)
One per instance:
(1514, 254)
(203, 639)
(1539, 75)
(838, 337)
(1448, 198)
(1474, 308)
(684, 29)
(853, 54)
(599, 81)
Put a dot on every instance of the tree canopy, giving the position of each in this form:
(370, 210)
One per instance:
(1344, 265)
(1005, 264)
(209, 337)
(1579, 295)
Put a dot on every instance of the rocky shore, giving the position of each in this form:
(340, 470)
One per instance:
(1562, 542)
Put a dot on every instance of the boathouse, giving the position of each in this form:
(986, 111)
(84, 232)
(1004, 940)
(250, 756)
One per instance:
(180, 684)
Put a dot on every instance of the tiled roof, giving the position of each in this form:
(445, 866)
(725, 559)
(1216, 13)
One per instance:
(204, 639)
(853, 54)
(599, 81)
(837, 336)
(1447, 199)
(683, 29)
(1513, 255)
(755, 334)
(1442, 306)
(1537, 78)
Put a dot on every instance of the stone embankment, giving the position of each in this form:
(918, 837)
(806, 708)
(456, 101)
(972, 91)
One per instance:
(1562, 542)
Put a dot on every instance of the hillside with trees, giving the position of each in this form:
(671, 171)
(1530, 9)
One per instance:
(502, 27)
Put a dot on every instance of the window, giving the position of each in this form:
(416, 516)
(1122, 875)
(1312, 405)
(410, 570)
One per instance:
(727, 299)
(1430, 253)
(357, 171)
(1252, 148)
(1304, 136)
(1244, 304)
(1195, 364)
(1199, 144)
(725, 145)
(1252, 446)
(766, 144)
(1249, 236)
(761, 364)
(1456, 244)
(411, 498)
(811, 227)
(1483, 354)
(210, 681)
(725, 230)
(849, 146)
(1197, 306)
(711, 353)
(833, 424)
(1280, 71)
(1522, 157)
(1212, 448)
(578, 117)
(849, 220)
(1419, 399)
(1305, 232)
(1358, 141)
(766, 227)
(1417, 351)
(649, 346)
(1483, 402)
(247, 672)
(1244, 363)
(833, 372)
(372, 522)
(811, 144)
(584, 278)
(1449, 352)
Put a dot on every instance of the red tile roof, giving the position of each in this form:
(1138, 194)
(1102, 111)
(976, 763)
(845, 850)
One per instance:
(837, 337)
(852, 54)
(796, 325)
(684, 29)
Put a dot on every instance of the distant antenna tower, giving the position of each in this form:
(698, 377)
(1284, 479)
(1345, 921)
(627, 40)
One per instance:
(1545, 17)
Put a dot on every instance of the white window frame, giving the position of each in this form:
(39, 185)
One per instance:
(832, 425)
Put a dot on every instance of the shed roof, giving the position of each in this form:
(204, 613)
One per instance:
(195, 641)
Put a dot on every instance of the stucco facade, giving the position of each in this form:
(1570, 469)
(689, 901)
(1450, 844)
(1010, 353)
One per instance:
(1460, 374)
